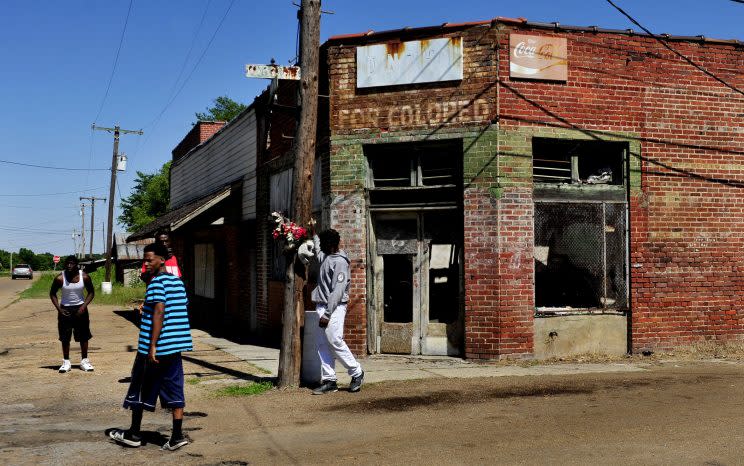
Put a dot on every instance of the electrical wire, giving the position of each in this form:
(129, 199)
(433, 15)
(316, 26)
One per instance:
(116, 61)
(11, 162)
(155, 121)
(52, 194)
(674, 51)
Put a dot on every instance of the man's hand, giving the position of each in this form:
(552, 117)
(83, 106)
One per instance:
(63, 312)
(151, 356)
(324, 321)
(82, 309)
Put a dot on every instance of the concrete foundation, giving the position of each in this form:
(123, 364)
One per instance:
(563, 336)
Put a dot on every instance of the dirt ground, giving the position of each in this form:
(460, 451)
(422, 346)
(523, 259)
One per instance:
(677, 412)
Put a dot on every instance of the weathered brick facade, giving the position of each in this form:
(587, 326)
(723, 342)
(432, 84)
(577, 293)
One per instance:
(685, 133)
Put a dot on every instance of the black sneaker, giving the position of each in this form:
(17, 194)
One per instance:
(356, 383)
(126, 438)
(328, 386)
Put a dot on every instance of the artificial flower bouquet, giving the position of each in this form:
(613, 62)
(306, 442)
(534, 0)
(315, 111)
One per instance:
(292, 234)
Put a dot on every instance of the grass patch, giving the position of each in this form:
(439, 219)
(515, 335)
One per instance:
(120, 295)
(193, 381)
(255, 388)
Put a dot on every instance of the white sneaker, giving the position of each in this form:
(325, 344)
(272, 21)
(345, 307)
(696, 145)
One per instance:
(65, 367)
(85, 365)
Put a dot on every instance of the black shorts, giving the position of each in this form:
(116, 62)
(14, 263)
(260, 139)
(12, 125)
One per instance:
(150, 381)
(73, 323)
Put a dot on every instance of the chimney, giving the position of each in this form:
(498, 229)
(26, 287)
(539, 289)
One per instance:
(201, 131)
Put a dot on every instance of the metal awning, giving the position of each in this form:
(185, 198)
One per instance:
(175, 219)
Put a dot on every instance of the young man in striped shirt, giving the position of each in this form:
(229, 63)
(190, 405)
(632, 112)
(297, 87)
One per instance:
(158, 370)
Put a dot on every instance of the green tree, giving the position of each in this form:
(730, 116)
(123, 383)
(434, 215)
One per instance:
(224, 109)
(148, 200)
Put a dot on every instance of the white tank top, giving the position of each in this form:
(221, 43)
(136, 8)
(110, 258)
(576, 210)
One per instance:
(72, 293)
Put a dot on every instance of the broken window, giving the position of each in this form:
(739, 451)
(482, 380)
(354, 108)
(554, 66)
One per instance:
(577, 162)
(580, 229)
(409, 174)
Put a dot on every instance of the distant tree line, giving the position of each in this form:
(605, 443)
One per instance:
(41, 261)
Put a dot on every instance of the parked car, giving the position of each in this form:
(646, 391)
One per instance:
(22, 271)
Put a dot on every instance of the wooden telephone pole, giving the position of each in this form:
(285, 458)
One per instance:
(112, 189)
(290, 355)
(92, 200)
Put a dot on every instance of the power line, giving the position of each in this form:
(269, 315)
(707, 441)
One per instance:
(191, 73)
(674, 51)
(52, 194)
(11, 162)
(116, 61)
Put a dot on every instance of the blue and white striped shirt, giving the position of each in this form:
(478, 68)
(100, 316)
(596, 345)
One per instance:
(175, 335)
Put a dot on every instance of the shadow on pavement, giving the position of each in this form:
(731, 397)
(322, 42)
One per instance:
(132, 315)
(226, 370)
(148, 437)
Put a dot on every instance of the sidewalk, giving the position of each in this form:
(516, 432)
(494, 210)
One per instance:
(380, 368)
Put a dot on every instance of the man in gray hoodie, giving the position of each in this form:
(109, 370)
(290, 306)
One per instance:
(331, 296)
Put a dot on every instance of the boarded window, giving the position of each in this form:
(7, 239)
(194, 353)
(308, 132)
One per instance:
(204, 270)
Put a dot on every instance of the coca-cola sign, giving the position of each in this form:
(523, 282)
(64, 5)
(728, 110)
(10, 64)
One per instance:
(538, 57)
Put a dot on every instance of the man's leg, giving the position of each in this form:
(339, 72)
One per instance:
(65, 334)
(327, 358)
(83, 349)
(172, 396)
(335, 336)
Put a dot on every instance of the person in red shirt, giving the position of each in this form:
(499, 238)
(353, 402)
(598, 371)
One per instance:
(171, 263)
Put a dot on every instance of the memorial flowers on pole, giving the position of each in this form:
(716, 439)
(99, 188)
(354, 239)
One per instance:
(289, 232)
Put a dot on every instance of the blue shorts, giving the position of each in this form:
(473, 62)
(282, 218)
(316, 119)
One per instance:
(150, 381)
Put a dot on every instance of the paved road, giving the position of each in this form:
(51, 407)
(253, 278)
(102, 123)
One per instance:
(9, 289)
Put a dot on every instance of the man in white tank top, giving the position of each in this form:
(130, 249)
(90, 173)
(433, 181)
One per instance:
(72, 311)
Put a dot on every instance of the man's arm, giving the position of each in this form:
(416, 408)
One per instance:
(158, 314)
(56, 285)
(91, 293)
(340, 277)
(320, 255)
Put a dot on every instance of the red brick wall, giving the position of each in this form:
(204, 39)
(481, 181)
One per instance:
(687, 215)
(686, 207)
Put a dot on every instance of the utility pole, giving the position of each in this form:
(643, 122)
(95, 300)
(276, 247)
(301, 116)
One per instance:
(112, 189)
(92, 200)
(82, 229)
(290, 355)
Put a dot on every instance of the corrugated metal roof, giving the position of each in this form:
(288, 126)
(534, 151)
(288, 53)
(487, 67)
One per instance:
(372, 35)
(133, 250)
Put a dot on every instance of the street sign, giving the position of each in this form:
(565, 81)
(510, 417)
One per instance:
(56, 259)
(273, 72)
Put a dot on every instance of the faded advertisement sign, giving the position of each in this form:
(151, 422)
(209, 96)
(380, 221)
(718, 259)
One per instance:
(538, 57)
(418, 61)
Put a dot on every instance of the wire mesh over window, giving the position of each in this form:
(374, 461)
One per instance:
(580, 255)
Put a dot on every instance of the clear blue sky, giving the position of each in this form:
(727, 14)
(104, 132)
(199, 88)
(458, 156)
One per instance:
(56, 59)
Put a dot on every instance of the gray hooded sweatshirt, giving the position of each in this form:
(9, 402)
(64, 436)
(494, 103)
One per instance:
(333, 279)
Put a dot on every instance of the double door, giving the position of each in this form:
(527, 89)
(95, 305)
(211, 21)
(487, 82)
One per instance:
(417, 282)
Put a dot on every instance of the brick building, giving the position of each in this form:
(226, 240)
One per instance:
(507, 188)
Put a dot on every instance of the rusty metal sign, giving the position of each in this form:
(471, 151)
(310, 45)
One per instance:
(538, 57)
(418, 61)
(272, 72)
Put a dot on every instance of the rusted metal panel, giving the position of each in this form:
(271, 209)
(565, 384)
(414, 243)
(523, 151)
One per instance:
(272, 72)
(418, 61)
(538, 57)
